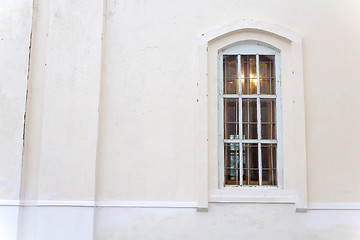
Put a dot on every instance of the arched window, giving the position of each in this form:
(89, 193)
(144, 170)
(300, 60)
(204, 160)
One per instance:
(249, 114)
(251, 144)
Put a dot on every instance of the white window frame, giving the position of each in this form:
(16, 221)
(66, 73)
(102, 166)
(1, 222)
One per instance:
(289, 44)
(250, 48)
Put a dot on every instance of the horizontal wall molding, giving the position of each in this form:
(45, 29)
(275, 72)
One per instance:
(64, 203)
(57, 203)
(6, 203)
(334, 206)
(171, 204)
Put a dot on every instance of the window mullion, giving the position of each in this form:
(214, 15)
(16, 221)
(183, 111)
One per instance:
(240, 121)
(258, 75)
(258, 117)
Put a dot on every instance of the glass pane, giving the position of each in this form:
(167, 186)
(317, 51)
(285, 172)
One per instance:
(269, 177)
(254, 177)
(232, 159)
(268, 128)
(249, 131)
(268, 131)
(268, 159)
(266, 66)
(267, 79)
(230, 74)
(265, 85)
(231, 118)
(248, 74)
(268, 156)
(249, 118)
(250, 164)
(231, 131)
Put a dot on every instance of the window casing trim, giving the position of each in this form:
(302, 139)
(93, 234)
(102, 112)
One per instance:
(289, 45)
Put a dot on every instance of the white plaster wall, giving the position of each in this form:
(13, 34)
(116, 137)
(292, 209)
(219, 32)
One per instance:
(15, 28)
(64, 89)
(331, 93)
(147, 148)
(8, 222)
(57, 223)
(146, 142)
(148, 97)
(227, 221)
(71, 96)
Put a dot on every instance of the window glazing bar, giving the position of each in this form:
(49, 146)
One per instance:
(258, 117)
(265, 141)
(257, 75)
(260, 164)
(271, 119)
(240, 122)
(231, 96)
(249, 96)
(272, 165)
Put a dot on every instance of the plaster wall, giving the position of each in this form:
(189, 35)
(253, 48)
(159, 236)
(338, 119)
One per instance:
(73, 223)
(227, 221)
(8, 222)
(156, 86)
(15, 28)
(110, 119)
(62, 124)
(251, 221)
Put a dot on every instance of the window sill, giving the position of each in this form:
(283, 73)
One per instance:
(251, 195)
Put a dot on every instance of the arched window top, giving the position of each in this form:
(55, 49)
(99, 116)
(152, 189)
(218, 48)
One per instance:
(250, 47)
(250, 25)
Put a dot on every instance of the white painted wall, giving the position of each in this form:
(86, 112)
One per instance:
(8, 222)
(111, 118)
(15, 28)
(226, 221)
(155, 86)
(57, 223)
(147, 147)
(62, 123)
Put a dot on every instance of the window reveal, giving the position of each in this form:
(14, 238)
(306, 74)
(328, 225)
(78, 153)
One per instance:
(249, 118)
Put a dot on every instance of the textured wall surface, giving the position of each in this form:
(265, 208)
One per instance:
(62, 118)
(150, 67)
(227, 221)
(15, 28)
(110, 119)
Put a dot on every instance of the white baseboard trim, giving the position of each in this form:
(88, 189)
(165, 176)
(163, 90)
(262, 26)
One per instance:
(57, 203)
(173, 204)
(334, 206)
(64, 203)
(9, 203)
